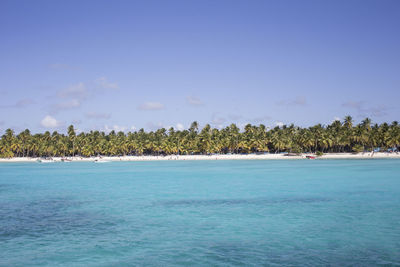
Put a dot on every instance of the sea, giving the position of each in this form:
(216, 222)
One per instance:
(201, 213)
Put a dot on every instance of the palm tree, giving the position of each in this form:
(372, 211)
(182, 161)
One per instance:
(336, 137)
(72, 136)
(348, 122)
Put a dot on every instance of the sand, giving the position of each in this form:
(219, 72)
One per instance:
(366, 155)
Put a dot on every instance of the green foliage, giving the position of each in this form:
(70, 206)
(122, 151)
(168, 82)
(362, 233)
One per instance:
(337, 137)
(319, 153)
(7, 154)
(358, 148)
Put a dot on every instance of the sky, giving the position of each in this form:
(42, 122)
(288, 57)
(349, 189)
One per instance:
(126, 65)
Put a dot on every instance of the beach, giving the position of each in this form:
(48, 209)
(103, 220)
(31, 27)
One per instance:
(365, 155)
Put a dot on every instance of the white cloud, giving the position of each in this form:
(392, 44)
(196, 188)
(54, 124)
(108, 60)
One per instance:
(50, 122)
(68, 104)
(354, 104)
(335, 119)
(217, 121)
(118, 128)
(115, 127)
(242, 125)
(155, 126)
(103, 83)
(180, 127)
(279, 123)
(364, 111)
(70, 97)
(194, 101)
(75, 95)
(77, 91)
(151, 106)
(261, 119)
(20, 103)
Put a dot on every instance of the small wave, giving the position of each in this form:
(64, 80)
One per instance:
(255, 201)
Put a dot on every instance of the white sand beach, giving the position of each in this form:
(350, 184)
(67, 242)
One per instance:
(366, 155)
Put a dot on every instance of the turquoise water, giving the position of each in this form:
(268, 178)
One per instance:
(201, 213)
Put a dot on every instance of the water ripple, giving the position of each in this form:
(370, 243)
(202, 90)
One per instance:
(231, 202)
(47, 216)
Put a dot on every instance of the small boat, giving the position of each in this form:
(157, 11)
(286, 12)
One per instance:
(291, 154)
(310, 157)
(100, 161)
(45, 160)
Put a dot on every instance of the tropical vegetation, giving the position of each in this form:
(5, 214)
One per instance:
(339, 136)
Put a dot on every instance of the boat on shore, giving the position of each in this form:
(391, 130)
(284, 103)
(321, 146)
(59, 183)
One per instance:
(291, 154)
(46, 160)
(101, 161)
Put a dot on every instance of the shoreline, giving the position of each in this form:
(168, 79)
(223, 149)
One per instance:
(365, 155)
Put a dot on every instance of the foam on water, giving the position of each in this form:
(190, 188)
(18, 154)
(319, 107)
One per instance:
(201, 213)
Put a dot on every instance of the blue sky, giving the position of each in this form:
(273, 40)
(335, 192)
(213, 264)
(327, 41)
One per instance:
(146, 64)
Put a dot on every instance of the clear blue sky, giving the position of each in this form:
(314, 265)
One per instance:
(132, 64)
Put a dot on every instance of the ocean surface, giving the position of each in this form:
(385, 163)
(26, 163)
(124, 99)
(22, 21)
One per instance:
(201, 213)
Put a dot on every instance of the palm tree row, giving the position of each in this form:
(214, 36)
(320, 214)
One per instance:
(336, 137)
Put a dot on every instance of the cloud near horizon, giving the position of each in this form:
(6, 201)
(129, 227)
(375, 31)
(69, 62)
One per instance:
(70, 97)
(20, 103)
(194, 101)
(366, 111)
(116, 128)
(217, 121)
(76, 121)
(180, 127)
(154, 126)
(151, 106)
(75, 95)
(50, 122)
(261, 119)
(235, 117)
